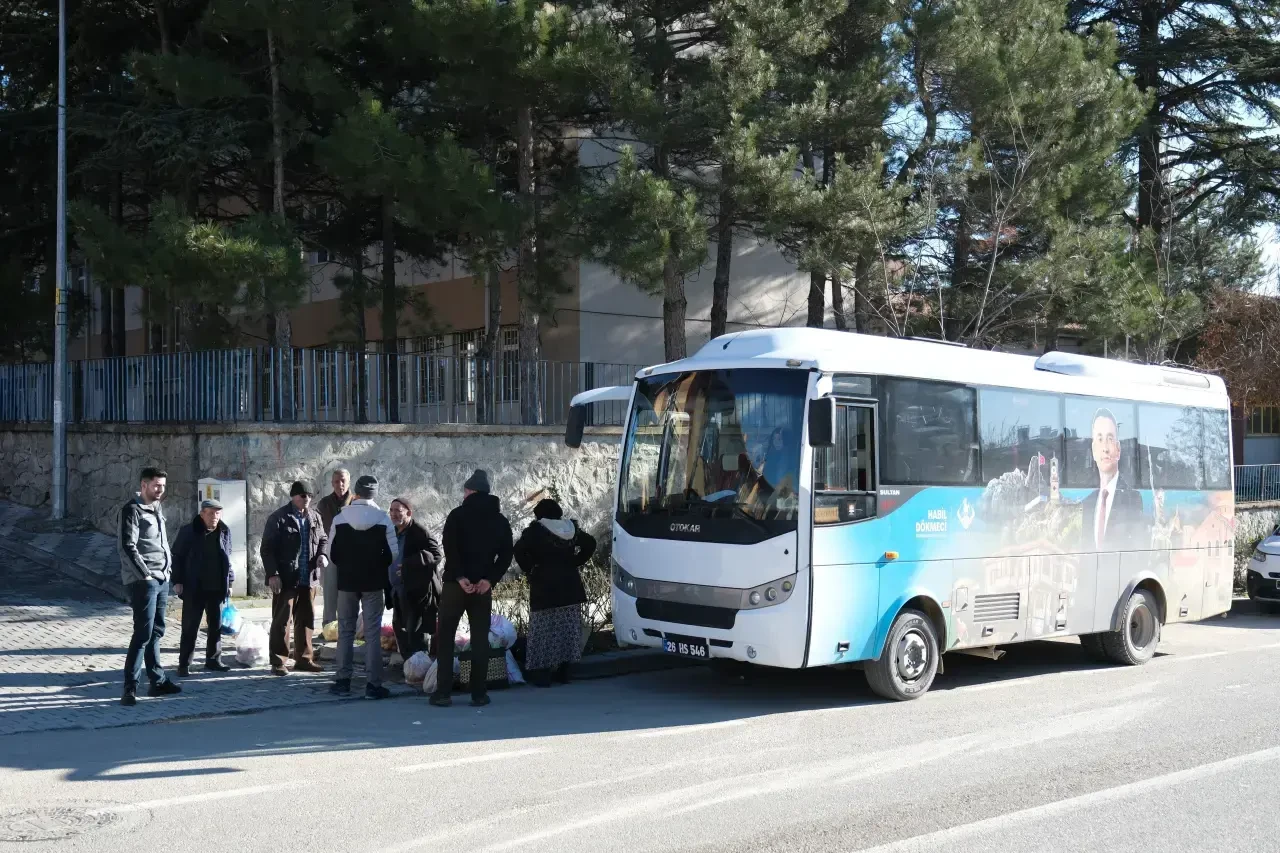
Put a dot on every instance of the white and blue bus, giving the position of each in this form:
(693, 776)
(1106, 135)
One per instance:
(800, 497)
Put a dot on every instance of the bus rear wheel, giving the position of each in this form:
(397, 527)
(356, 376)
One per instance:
(1135, 643)
(909, 662)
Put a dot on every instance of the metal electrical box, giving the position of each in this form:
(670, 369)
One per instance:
(234, 497)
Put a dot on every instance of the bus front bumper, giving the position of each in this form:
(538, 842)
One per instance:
(763, 637)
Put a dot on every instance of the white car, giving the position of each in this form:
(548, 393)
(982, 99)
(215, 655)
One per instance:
(1263, 577)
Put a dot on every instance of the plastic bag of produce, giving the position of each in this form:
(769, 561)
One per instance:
(415, 668)
(429, 680)
(251, 645)
(388, 638)
(330, 632)
(502, 634)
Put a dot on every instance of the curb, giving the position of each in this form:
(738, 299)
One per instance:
(113, 588)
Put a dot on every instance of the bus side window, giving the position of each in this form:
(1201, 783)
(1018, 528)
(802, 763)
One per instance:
(844, 475)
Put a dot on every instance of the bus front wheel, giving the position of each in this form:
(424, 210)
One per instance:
(909, 661)
(1135, 642)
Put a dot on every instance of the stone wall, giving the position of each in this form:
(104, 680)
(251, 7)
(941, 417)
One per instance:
(426, 466)
(1254, 522)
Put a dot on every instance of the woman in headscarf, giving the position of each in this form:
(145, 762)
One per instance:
(550, 552)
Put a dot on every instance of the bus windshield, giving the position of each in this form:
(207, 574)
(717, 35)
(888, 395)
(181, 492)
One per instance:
(714, 455)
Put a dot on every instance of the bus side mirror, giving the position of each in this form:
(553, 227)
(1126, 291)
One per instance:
(577, 423)
(822, 422)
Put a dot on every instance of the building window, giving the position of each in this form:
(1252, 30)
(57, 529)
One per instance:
(428, 362)
(1264, 420)
(509, 382)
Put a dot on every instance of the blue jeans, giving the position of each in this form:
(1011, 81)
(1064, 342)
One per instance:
(149, 599)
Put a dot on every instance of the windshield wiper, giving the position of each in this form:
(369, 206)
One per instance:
(737, 510)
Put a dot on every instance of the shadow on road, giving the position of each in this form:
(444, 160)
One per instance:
(655, 701)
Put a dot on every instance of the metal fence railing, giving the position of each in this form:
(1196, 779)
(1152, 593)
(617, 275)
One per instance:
(312, 386)
(1257, 483)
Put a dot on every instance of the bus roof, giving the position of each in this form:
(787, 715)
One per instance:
(843, 352)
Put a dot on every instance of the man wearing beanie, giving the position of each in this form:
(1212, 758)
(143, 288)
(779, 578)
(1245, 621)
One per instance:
(477, 553)
(362, 546)
(293, 553)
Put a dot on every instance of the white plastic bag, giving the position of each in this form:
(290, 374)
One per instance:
(502, 634)
(415, 668)
(514, 675)
(251, 645)
(429, 678)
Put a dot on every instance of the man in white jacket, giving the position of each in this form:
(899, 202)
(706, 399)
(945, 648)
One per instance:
(362, 545)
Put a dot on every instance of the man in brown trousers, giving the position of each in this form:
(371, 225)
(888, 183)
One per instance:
(293, 554)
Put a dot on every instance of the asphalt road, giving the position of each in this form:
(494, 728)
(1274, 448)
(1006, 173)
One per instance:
(1041, 751)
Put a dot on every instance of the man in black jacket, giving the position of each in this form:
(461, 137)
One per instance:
(293, 553)
(202, 576)
(477, 553)
(363, 546)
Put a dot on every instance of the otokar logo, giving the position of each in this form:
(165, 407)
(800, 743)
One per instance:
(683, 527)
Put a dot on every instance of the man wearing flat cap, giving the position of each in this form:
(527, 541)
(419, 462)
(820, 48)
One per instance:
(293, 553)
(202, 576)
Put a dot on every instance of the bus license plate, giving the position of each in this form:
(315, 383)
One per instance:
(686, 648)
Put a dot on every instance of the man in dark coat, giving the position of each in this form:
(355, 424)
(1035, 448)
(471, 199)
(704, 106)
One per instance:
(477, 553)
(413, 580)
(1113, 516)
(202, 576)
(293, 554)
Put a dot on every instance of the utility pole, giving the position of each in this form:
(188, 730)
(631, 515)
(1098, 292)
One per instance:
(60, 280)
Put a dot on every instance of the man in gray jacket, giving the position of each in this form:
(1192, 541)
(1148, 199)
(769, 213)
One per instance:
(145, 565)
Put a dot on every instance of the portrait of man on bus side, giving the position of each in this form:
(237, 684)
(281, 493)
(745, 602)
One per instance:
(1113, 516)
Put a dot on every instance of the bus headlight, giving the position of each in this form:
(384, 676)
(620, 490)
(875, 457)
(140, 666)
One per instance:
(773, 592)
(621, 579)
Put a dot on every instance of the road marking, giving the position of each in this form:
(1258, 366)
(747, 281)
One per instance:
(225, 794)
(947, 838)
(1168, 660)
(473, 759)
(685, 730)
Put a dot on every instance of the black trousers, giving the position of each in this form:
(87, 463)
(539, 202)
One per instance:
(453, 603)
(197, 604)
(411, 624)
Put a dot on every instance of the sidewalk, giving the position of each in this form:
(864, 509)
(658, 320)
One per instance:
(64, 632)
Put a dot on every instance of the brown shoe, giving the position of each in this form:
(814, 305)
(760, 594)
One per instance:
(279, 670)
(307, 666)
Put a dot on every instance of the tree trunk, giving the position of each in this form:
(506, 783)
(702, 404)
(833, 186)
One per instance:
(817, 300)
(162, 23)
(489, 351)
(724, 255)
(107, 289)
(961, 247)
(674, 303)
(817, 280)
(861, 292)
(837, 304)
(282, 339)
(390, 310)
(530, 382)
(1150, 175)
(361, 300)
